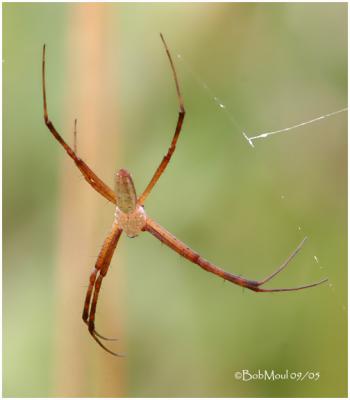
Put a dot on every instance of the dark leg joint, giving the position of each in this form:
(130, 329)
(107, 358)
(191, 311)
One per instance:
(252, 285)
(91, 326)
(85, 315)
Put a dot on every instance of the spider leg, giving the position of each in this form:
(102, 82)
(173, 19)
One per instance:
(88, 174)
(88, 301)
(281, 268)
(101, 268)
(292, 289)
(285, 263)
(91, 323)
(171, 241)
(172, 147)
(106, 348)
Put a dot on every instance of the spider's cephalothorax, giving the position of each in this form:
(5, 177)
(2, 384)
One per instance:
(129, 215)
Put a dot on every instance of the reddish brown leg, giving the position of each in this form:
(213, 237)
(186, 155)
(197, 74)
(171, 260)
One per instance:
(171, 241)
(96, 277)
(88, 301)
(88, 174)
(181, 116)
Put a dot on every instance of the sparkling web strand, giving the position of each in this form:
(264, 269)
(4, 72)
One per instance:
(267, 134)
(216, 99)
(232, 119)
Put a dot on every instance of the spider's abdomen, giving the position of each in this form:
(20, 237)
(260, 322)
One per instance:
(125, 191)
(132, 223)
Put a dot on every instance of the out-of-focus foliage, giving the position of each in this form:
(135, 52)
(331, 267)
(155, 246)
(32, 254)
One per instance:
(186, 332)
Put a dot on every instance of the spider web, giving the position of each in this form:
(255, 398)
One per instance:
(230, 116)
(222, 106)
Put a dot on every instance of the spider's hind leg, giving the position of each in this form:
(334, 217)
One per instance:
(257, 285)
(181, 248)
(86, 310)
(284, 264)
(96, 277)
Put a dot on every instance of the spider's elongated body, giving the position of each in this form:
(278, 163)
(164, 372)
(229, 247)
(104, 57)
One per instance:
(129, 215)
(131, 218)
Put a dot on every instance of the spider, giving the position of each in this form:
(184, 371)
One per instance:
(131, 218)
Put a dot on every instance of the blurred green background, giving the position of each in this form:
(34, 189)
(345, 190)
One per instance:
(185, 332)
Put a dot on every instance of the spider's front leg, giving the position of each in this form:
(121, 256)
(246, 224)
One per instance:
(87, 172)
(96, 277)
(180, 119)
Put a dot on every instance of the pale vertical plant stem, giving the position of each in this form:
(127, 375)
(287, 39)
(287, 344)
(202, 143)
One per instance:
(87, 97)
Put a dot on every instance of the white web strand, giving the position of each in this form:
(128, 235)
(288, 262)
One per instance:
(331, 287)
(234, 121)
(216, 99)
(267, 134)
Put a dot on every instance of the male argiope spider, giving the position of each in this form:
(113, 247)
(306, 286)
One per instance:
(131, 218)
